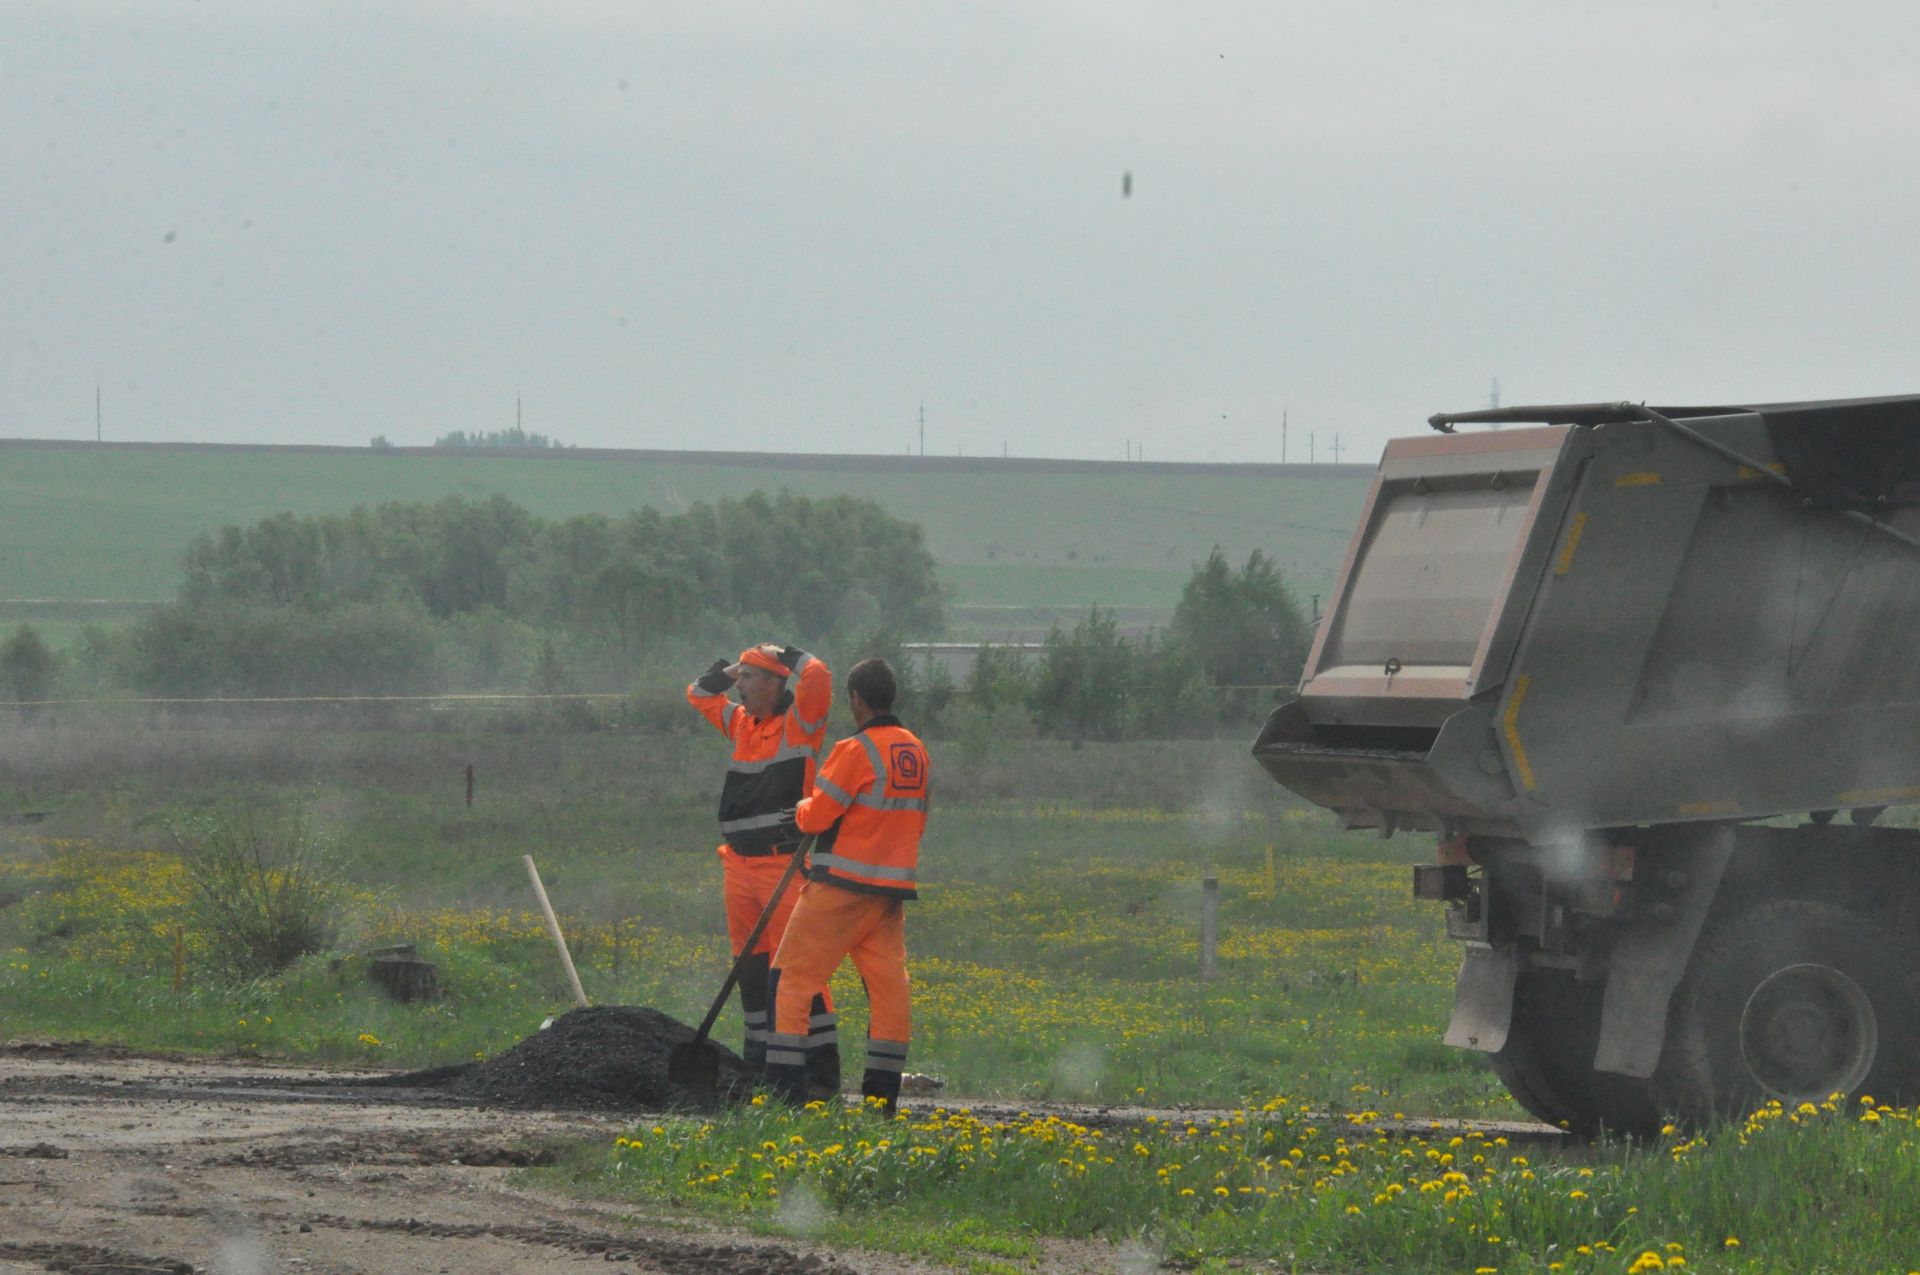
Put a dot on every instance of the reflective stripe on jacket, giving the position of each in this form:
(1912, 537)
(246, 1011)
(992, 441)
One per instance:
(869, 807)
(773, 756)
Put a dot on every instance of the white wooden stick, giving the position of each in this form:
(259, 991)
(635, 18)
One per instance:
(553, 928)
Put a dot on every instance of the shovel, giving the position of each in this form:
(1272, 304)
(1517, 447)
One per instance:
(695, 1065)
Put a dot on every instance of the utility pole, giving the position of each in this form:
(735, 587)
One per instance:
(1283, 435)
(1493, 397)
(1309, 447)
(923, 429)
(96, 414)
(1336, 449)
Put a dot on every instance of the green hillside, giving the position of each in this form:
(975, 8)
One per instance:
(110, 522)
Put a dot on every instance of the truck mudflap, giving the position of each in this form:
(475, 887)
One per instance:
(1483, 998)
(1643, 966)
(1652, 953)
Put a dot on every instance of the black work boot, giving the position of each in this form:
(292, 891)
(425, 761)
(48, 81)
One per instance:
(886, 1059)
(823, 1052)
(880, 1090)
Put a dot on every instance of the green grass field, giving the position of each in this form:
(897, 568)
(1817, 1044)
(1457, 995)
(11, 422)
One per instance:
(111, 522)
(1056, 949)
(1054, 956)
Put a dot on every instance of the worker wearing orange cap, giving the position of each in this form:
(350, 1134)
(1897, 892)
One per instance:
(776, 733)
(868, 806)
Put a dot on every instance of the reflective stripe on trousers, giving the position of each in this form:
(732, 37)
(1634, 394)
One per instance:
(784, 1050)
(829, 924)
(886, 1055)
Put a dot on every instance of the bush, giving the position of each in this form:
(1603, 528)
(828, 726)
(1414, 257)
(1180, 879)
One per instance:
(263, 890)
(1085, 679)
(26, 666)
(987, 734)
(1244, 630)
(362, 648)
(1001, 677)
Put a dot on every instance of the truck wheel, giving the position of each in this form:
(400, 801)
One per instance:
(1796, 1001)
(1547, 1062)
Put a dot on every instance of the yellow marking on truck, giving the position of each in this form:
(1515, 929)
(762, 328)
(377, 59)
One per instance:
(1710, 808)
(1877, 796)
(1748, 471)
(1646, 478)
(1565, 564)
(1513, 734)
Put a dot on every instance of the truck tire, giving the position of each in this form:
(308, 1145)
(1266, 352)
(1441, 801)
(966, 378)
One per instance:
(1547, 1062)
(1793, 1001)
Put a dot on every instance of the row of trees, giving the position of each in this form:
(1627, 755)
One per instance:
(815, 565)
(454, 593)
(460, 439)
(482, 595)
(1236, 642)
(480, 440)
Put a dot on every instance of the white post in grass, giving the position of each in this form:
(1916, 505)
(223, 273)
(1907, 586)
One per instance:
(1209, 926)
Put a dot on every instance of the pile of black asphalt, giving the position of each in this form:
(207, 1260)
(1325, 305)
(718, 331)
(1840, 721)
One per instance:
(606, 1058)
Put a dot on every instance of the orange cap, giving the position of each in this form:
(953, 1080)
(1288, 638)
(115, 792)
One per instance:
(760, 659)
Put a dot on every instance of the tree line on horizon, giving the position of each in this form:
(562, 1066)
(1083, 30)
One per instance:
(482, 595)
(481, 440)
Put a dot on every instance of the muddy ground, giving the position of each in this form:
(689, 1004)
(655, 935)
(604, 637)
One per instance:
(116, 1164)
(113, 1164)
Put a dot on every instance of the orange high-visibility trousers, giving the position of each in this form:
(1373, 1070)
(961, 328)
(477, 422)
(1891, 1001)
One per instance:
(828, 925)
(746, 883)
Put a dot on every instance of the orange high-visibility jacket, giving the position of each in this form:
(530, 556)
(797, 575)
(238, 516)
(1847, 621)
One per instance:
(773, 756)
(869, 807)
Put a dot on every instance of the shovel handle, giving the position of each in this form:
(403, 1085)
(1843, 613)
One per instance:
(746, 948)
(553, 928)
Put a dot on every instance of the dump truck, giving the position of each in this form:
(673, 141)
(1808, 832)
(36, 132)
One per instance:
(1651, 675)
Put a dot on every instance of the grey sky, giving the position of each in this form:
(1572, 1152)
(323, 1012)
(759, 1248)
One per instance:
(785, 226)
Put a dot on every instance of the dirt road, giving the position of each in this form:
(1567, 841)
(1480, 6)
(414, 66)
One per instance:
(114, 1165)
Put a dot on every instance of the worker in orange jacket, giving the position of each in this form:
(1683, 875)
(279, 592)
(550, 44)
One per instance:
(868, 806)
(777, 733)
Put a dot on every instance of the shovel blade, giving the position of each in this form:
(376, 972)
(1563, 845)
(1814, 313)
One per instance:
(695, 1068)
